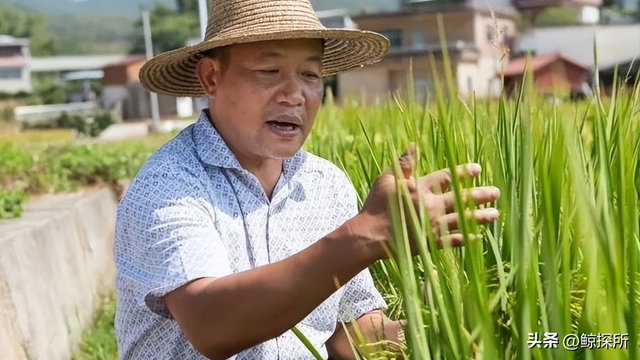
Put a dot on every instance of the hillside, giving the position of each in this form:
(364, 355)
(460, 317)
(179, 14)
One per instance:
(107, 27)
(131, 8)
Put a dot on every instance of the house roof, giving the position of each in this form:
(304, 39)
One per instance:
(6, 40)
(614, 44)
(132, 59)
(535, 63)
(74, 63)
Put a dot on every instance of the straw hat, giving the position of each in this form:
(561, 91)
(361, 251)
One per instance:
(243, 21)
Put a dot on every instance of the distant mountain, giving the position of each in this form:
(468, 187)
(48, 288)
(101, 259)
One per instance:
(131, 8)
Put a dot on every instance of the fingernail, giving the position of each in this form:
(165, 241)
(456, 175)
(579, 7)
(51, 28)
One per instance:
(494, 213)
(496, 192)
(474, 168)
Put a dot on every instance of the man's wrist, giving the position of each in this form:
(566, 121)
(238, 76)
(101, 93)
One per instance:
(362, 231)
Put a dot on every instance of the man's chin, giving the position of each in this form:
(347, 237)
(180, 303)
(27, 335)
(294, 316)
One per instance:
(285, 152)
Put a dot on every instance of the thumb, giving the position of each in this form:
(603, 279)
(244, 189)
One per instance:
(407, 160)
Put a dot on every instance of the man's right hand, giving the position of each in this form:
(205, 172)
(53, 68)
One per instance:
(374, 221)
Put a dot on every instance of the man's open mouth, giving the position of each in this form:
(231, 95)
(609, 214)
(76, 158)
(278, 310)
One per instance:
(284, 126)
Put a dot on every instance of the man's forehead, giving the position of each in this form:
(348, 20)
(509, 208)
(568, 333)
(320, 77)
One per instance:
(311, 49)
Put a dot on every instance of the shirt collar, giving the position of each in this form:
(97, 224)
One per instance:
(213, 150)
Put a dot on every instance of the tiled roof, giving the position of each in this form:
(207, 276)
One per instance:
(535, 63)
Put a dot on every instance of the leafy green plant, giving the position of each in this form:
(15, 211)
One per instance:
(32, 168)
(563, 256)
(92, 126)
(11, 203)
(98, 341)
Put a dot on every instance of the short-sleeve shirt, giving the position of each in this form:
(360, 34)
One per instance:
(192, 212)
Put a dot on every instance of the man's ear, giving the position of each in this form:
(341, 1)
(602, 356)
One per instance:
(207, 72)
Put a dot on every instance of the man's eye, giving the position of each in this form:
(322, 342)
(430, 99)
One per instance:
(269, 71)
(311, 74)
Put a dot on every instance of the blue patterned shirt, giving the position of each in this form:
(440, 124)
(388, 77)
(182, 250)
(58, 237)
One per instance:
(192, 211)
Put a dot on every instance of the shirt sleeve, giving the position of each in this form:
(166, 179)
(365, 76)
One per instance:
(360, 294)
(165, 236)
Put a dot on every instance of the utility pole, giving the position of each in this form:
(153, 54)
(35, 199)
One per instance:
(155, 111)
(204, 17)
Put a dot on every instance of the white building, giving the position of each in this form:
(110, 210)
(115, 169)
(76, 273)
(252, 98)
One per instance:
(615, 44)
(15, 65)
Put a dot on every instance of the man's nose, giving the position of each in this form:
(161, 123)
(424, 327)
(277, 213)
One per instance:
(291, 92)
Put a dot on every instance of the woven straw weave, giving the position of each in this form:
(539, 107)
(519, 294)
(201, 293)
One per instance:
(243, 21)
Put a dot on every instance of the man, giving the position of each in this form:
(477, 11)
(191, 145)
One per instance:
(231, 235)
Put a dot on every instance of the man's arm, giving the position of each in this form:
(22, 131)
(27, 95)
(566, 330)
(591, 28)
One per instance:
(378, 332)
(224, 316)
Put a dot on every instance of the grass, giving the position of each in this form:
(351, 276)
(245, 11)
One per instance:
(36, 162)
(98, 341)
(54, 136)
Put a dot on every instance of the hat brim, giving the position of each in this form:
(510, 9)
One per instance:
(174, 72)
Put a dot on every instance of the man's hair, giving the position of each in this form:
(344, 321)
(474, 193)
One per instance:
(220, 54)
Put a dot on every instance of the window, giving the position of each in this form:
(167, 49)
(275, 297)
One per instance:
(418, 41)
(394, 36)
(8, 51)
(11, 73)
(504, 34)
(491, 33)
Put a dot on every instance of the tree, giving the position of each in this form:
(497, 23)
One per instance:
(556, 16)
(170, 29)
(188, 6)
(19, 23)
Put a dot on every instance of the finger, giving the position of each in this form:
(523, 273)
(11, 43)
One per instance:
(455, 240)
(479, 195)
(439, 181)
(450, 222)
(407, 160)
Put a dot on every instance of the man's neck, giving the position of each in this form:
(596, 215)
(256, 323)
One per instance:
(268, 172)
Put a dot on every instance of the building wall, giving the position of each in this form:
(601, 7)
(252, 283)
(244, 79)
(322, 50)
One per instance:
(18, 85)
(133, 70)
(379, 82)
(370, 83)
(477, 41)
(113, 96)
(494, 37)
(614, 43)
(14, 60)
(122, 90)
(137, 104)
(459, 26)
(559, 78)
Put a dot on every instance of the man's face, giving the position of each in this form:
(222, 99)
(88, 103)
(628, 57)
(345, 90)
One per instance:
(265, 103)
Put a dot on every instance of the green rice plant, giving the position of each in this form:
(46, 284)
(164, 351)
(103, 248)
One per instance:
(562, 258)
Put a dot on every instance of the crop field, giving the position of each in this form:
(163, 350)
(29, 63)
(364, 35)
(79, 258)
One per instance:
(557, 276)
(48, 161)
